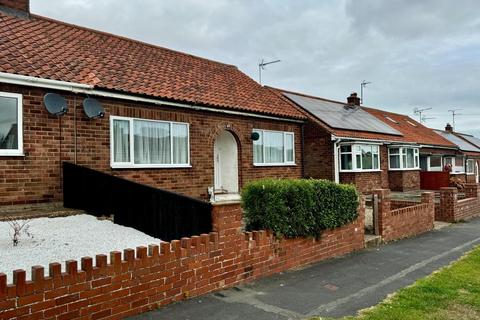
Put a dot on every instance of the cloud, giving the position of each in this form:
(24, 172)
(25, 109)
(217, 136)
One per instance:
(415, 53)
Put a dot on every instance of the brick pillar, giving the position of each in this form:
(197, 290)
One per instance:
(227, 218)
(471, 190)
(429, 198)
(383, 208)
(448, 204)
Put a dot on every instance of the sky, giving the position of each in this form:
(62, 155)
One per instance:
(416, 54)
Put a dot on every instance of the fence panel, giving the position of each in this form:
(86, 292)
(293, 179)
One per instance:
(158, 213)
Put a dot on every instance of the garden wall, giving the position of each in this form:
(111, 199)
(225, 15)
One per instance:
(401, 221)
(451, 209)
(146, 278)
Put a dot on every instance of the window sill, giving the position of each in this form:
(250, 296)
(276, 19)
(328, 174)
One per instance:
(274, 164)
(457, 172)
(149, 166)
(12, 154)
(410, 169)
(471, 174)
(360, 171)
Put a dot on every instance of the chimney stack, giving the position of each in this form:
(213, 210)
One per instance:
(19, 8)
(449, 127)
(353, 99)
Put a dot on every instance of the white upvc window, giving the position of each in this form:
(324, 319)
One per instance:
(144, 143)
(403, 158)
(456, 163)
(435, 163)
(273, 148)
(470, 166)
(359, 157)
(11, 124)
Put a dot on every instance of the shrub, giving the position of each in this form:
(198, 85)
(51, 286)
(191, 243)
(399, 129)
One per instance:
(298, 208)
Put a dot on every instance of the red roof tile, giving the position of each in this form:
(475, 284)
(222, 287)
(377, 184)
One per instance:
(411, 129)
(49, 49)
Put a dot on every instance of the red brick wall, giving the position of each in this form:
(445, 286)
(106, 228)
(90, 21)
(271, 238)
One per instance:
(451, 209)
(404, 221)
(404, 180)
(150, 277)
(49, 140)
(318, 156)
(22, 5)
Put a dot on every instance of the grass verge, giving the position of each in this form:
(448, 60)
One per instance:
(451, 293)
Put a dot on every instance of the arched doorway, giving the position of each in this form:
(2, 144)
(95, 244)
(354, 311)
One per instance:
(225, 165)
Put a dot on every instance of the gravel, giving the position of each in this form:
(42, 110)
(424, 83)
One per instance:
(66, 238)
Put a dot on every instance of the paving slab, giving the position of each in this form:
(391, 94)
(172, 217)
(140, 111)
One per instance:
(336, 287)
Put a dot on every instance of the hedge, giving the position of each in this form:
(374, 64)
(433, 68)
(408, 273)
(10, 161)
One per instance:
(298, 207)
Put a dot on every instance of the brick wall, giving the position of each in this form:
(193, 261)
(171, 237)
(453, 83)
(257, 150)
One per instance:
(451, 209)
(318, 156)
(148, 277)
(48, 141)
(404, 221)
(407, 180)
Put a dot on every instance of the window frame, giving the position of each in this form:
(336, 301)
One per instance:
(473, 167)
(19, 151)
(402, 150)
(435, 169)
(354, 154)
(273, 164)
(131, 164)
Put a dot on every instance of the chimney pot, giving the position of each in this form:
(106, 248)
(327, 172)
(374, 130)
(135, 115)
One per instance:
(353, 99)
(449, 127)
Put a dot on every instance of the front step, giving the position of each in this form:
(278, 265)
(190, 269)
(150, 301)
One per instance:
(39, 210)
(372, 241)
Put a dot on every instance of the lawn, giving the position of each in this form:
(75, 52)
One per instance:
(451, 293)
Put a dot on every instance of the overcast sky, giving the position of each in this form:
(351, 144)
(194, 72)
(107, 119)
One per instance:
(416, 53)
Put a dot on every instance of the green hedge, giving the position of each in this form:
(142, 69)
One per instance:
(298, 208)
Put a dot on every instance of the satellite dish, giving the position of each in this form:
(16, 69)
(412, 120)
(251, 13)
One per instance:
(55, 104)
(93, 109)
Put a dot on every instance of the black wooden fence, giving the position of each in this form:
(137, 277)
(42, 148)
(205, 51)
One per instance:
(158, 213)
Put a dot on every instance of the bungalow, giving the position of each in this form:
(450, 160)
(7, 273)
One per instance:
(131, 109)
(368, 147)
(464, 166)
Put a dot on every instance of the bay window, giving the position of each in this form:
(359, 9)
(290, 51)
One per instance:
(11, 139)
(359, 157)
(470, 166)
(274, 148)
(141, 143)
(403, 158)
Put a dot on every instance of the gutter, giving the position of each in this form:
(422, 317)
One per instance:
(90, 90)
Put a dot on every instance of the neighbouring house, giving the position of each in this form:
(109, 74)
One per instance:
(161, 117)
(368, 147)
(463, 166)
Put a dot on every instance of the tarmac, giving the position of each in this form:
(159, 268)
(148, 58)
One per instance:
(333, 288)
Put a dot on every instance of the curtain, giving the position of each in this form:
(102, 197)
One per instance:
(289, 147)
(151, 142)
(258, 149)
(121, 141)
(273, 142)
(180, 143)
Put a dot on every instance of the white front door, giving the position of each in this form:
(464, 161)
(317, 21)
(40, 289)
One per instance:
(225, 154)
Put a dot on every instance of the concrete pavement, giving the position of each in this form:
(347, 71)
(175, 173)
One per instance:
(336, 287)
